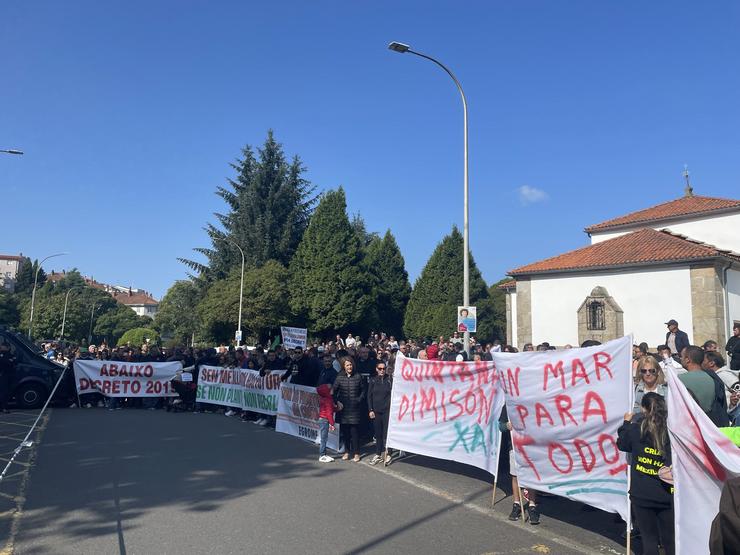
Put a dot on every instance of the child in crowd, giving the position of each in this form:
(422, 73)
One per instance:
(326, 419)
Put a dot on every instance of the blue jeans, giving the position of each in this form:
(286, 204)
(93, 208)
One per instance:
(324, 435)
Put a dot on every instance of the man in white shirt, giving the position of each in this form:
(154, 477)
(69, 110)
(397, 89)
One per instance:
(350, 341)
(666, 360)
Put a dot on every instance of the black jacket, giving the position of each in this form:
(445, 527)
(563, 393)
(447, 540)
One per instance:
(733, 352)
(647, 489)
(379, 394)
(351, 391)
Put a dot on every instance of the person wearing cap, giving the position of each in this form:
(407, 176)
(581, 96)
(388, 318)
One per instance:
(676, 339)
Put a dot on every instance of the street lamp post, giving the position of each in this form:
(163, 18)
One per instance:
(241, 295)
(89, 335)
(402, 49)
(64, 316)
(35, 283)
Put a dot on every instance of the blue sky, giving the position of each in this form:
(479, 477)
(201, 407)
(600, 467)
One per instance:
(130, 113)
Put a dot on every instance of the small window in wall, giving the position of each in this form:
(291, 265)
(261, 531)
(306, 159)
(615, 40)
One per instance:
(596, 316)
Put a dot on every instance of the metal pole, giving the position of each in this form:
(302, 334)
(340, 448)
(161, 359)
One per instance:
(33, 293)
(64, 316)
(466, 227)
(89, 335)
(12, 151)
(241, 293)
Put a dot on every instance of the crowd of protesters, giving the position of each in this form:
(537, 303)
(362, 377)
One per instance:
(354, 381)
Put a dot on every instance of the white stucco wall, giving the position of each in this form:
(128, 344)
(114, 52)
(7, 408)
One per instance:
(733, 296)
(722, 231)
(648, 298)
(514, 339)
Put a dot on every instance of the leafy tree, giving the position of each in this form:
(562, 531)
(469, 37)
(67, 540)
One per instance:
(9, 315)
(269, 204)
(391, 283)
(177, 317)
(266, 305)
(138, 336)
(112, 324)
(329, 286)
(438, 291)
(492, 314)
(365, 237)
(26, 276)
(218, 311)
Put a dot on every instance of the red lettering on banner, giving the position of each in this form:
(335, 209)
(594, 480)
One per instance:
(578, 370)
(523, 413)
(520, 442)
(556, 371)
(444, 407)
(593, 398)
(115, 388)
(564, 404)
(407, 370)
(541, 412)
(135, 387)
(602, 365)
(428, 402)
(84, 384)
(588, 466)
(148, 371)
(106, 387)
(513, 381)
(458, 405)
(550, 451)
(104, 370)
(613, 444)
(113, 369)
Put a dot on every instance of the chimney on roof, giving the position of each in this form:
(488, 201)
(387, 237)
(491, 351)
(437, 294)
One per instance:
(688, 190)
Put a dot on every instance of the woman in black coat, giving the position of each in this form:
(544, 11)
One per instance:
(351, 391)
(379, 406)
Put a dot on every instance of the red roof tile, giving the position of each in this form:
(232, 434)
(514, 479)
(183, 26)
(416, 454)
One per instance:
(135, 298)
(684, 206)
(11, 257)
(507, 285)
(644, 246)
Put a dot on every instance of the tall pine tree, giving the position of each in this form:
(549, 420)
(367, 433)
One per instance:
(269, 205)
(391, 283)
(329, 286)
(438, 291)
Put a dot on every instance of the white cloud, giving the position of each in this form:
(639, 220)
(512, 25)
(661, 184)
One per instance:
(530, 195)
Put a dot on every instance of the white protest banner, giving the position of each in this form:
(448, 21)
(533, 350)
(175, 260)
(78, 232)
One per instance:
(234, 387)
(446, 410)
(125, 379)
(294, 337)
(298, 414)
(703, 460)
(565, 408)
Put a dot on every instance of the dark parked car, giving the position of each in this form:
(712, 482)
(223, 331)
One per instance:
(35, 375)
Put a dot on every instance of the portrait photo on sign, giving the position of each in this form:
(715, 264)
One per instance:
(466, 318)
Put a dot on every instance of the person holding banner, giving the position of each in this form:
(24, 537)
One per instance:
(350, 392)
(379, 405)
(530, 504)
(645, 437)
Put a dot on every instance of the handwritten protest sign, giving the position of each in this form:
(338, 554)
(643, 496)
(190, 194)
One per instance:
(298, 414)
(446, 410)
(233, 387)
(294, 337)
(565, 408)
(125, 379)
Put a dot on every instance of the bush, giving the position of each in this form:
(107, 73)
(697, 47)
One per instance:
(138, 336)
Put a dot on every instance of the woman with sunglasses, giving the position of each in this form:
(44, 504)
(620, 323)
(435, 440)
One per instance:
(379, 405)
(652, 380)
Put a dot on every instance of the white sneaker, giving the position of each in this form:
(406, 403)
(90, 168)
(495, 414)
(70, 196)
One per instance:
(326, 459)
(376, 459)
(88, 406)
(388, 459)
(72, 406)
(229, 413)
(264, 422)
(261, 422)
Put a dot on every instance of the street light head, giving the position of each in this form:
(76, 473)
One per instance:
(399, 47)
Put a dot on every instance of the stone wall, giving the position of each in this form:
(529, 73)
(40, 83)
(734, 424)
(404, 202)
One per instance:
(707, 305)
(523, 311)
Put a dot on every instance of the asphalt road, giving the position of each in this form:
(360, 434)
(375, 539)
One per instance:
(140, 482)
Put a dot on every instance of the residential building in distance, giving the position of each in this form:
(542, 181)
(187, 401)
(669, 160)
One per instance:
(10, 265)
